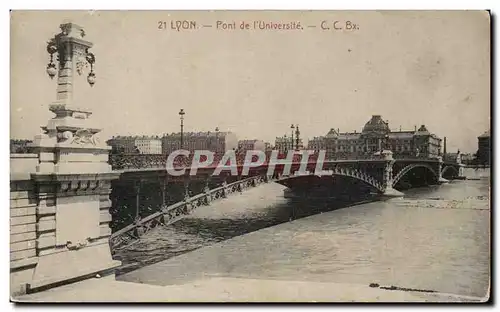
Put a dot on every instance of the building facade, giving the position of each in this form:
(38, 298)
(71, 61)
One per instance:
(376, 136)
(251, 145)
(484, 148)
(148, 145)
(213, 141)
(284, 143)
(123, 144)
(135, 145)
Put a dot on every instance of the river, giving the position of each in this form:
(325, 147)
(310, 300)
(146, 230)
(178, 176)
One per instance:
(434, 238)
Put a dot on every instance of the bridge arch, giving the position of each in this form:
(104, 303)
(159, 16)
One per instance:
(446, 169)
(345, 172)
(409, 168)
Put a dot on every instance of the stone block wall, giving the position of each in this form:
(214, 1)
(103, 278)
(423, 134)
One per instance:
(23, 221)
(59, 224)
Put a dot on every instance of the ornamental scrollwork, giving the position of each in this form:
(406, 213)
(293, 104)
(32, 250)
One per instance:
(83, 137)
(76, 52)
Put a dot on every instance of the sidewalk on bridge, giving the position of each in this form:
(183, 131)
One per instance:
(228, 290)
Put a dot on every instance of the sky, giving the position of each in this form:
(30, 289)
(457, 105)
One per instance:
(413, 68)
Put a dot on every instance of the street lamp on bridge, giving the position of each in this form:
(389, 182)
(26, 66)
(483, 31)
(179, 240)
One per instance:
(80, 53)
(72, 56)
(285, 141)
(297, 133)
(216, 139)
(181, 114)
(386, 144)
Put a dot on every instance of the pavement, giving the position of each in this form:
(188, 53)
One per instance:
(217, 289)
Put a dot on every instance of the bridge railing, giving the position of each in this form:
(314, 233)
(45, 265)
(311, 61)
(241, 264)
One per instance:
(137, 161)
(159, 161)
(143, 161)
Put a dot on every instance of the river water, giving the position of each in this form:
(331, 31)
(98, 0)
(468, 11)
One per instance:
(434, 238)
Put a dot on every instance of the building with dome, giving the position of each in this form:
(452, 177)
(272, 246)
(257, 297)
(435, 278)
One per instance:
(376, 136)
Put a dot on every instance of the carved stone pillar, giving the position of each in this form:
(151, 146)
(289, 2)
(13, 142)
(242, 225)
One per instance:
(73, 178)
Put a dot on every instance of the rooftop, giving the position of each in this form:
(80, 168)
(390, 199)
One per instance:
(485, 135)
(376, 124)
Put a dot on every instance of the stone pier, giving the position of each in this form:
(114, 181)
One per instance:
(60, 193)
(389, 191)
(441, 180)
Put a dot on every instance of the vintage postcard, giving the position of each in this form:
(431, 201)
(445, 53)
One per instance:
(250, 156)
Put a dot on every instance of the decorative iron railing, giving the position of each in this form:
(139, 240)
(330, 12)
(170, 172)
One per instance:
(173, 213)
(147, 161)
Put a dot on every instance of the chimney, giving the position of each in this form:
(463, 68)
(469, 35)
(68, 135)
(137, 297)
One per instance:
(415, 128)
(444, 146)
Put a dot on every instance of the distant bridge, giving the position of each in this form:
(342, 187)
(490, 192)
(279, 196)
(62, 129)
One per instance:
(382, 174)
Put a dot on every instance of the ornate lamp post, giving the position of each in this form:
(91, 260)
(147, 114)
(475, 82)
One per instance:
(216, 139)
(297, 133)
(71, 170)
(181, 114)
(387, 144)
(293, 128)
(68, 51)
(72, 55)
